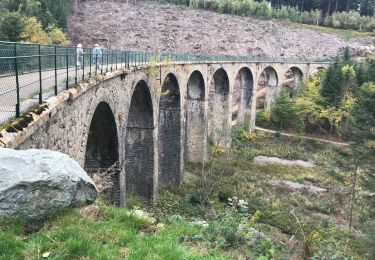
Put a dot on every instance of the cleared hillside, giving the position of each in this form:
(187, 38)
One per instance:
(156, 27)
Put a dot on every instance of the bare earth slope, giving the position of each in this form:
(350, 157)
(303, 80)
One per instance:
(156, 27)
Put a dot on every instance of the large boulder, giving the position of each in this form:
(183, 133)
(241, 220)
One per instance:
(35, 183)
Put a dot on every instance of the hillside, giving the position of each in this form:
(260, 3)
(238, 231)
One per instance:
(160, 27)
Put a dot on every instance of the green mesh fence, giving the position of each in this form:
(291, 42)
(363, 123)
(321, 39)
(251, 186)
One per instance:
(30, 73)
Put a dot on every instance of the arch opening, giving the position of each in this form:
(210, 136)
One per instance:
(293, 76)
(267, 88)
(139, 144)
(170, 133)
(102, 151)
(219, 111)
(195, 118)
(195, 86)
(242, 95)
(318, 70)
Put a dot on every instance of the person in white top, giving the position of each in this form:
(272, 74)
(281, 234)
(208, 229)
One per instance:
(79, 56)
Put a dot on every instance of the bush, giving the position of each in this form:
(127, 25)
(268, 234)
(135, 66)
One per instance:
(282, 110)
(263, 118)
(11, 27)
(224, 194)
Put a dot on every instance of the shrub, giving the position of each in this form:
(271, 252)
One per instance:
(263, 118)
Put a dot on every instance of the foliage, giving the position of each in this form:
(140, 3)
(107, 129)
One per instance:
(329, 243)
(99, 232)
(322, 103)
(263, 118)
(332, 84)
(34, 21)
(11, 26)
(282, 109)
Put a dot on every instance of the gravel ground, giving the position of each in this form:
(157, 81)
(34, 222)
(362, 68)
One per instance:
(162, 27)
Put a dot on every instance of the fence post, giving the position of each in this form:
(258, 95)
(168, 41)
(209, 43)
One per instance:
(17, 81)
(96, 64)
(90, 63)
(55, 70)
(67, 67)
(101, 65)
(76, 65)
(124, 59)
(83, 65)
(40, 75)
(111, 60)
(116, 58)
(106, 70)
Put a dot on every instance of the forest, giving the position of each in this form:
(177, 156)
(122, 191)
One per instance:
(34, 21)
(365, 7)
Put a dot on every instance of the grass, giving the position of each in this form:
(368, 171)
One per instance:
(276, 223)
(113, 234)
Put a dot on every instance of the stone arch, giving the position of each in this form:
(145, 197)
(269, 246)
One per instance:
(318, 69)
(139, 144)
(242, 95)
(170, 132)
(219, 111)
(102, 148)
(195, 127)
(293, 76)
(196, 86)
(267, 87)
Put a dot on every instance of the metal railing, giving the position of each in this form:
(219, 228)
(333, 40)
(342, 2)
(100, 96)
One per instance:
(31, 73)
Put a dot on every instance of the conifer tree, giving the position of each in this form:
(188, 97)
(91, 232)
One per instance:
(332, 84)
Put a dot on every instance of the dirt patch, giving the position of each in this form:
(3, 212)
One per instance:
(149, 26)
(92, 212)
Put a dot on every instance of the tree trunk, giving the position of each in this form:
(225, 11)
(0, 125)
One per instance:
(337, 1)
(329, 8)
(353, 196)
(347, 6)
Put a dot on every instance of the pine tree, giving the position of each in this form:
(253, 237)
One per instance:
(11, 27)
(332, 84)
(361, 133)
(282, 110)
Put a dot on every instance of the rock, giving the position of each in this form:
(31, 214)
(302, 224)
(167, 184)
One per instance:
(160, 227)
(197, 46)
(35, 183)
(269, 160)
(307, 186)
(143, 215)
(200, 223)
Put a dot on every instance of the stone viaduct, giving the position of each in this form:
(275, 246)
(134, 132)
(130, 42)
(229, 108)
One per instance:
(150, 119)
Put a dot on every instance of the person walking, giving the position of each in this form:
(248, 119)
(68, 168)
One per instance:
(79, 56)
(96, 55)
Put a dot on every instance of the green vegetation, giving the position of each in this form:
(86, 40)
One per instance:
(99, 232)
(34, 21)
(228, 209)
(290, 11)
(323, 103)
